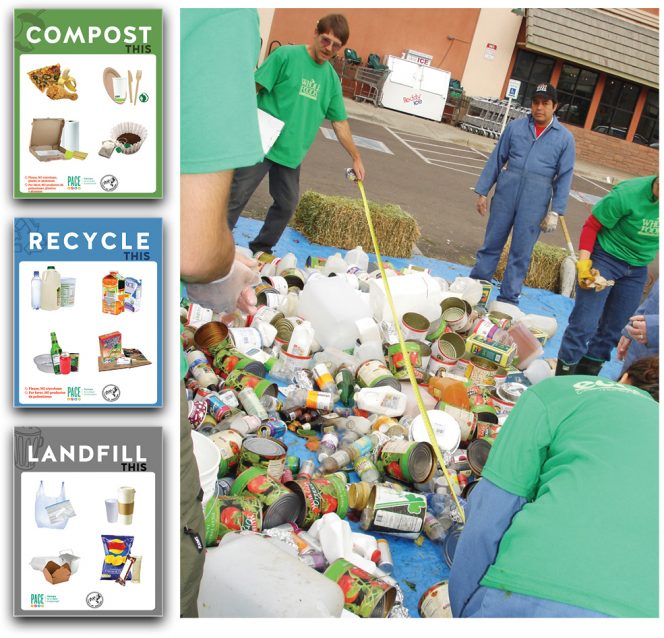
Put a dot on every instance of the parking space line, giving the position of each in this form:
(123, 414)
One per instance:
(443, 164)
(407, 145)
(468, 159)
(451, 148)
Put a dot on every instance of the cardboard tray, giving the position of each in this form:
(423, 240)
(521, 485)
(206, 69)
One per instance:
(137, 360)
(47, 136)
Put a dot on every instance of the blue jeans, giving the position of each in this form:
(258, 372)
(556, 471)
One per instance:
(284, 189)
(598, 317)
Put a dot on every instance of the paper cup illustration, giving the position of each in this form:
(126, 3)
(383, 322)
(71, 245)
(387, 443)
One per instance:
(129, 136)
(126, 505)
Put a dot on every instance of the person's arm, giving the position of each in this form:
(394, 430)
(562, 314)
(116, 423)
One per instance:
(492, 168)
(203, 205)
(563, 180)
(584, 264)
(489, 513)
(345, 137)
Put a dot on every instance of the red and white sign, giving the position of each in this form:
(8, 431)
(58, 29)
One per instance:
(490, 51)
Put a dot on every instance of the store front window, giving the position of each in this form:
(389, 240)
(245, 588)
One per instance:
(575, 91)
(647, 132)
(616, 107)
(530, 69)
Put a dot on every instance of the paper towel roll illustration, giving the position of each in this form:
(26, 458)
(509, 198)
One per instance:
(70, 136)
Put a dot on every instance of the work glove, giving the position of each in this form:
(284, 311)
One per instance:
(550, 222)
(231, 292)
(585, 276)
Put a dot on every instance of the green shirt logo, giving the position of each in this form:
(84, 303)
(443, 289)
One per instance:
(309, 88)
(649, 227)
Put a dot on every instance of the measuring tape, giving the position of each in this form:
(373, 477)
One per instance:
(350, 174)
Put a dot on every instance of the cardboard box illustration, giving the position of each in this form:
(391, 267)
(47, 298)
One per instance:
(46, 139)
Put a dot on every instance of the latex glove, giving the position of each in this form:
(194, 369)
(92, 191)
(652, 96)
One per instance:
(481, 205)
(226, 294)
(585, 276)
(550, 222)
(623, 347)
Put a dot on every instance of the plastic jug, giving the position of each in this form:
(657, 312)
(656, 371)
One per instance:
(335, 264)
(470, 289)
(287, 261)
(333, 307)
(301, 339)
(411, 293)
(548, 325)
(357, 257)
(50, 289)
(249, 576)
(450, 391)
(381, 400)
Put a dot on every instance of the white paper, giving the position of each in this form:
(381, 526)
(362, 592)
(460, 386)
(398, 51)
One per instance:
(270, 127)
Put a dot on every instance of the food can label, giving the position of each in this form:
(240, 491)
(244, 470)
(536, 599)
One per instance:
(399, 522)
(371, 373)
(318, 400)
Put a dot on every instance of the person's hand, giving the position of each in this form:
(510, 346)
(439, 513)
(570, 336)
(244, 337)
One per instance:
(623, 347)
(481, 205)
(585, 274)
(231, 292)
(358, 167)
(638, 329)
(550, 222)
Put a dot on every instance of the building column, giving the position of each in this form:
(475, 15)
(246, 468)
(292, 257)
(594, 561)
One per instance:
(594, 103)
(555, 72)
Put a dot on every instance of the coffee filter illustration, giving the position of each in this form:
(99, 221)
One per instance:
(130, 133)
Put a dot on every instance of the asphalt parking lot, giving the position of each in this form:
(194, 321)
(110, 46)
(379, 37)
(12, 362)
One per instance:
(431, 179)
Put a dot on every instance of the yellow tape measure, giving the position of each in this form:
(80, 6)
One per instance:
(350, 174)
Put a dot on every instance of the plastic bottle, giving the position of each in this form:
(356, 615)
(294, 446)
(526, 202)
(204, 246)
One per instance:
(366, 469)
(450, 391)
(50, 289)
(381, 400)
(342, 457)
(35, 290)
(357, 424)
(486, 328)
(301, 340)
(328, 445)
(433, 529)
(357, 257)
(200, 369)
(301, 398)
(324, 379)
(251, 403)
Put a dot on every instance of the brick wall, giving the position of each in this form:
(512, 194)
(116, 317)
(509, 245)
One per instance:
(605, 150)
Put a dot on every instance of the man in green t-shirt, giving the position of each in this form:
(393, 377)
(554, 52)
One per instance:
(618, 241)
(297, 85)
(556, 527)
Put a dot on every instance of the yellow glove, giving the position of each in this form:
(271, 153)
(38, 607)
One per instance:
(585, 276)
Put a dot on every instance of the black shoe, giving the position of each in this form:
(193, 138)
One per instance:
(589, 367)
(563, 368)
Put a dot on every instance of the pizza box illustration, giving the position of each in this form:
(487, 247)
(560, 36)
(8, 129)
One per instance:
(46, 138)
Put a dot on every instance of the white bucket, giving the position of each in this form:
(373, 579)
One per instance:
(208, 458)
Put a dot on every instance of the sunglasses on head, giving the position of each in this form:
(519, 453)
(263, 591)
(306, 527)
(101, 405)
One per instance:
(328, 42)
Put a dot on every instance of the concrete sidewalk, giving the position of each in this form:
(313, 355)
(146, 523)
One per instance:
(444, 132)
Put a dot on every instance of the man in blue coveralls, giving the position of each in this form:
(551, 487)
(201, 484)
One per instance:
(531, 192)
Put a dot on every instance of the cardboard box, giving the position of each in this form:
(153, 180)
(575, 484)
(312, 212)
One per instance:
(46, 138)
(493, 351)
(110, 347)
(55, 573)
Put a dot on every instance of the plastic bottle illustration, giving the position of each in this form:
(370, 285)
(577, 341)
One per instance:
(35, 290)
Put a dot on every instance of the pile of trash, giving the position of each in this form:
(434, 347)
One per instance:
(319, 369)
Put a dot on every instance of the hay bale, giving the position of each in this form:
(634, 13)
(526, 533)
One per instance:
(341, 222)
(544, 270)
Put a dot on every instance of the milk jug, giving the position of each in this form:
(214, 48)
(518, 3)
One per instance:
(50, 289)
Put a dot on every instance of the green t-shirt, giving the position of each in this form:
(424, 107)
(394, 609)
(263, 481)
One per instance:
(629, 215)
(218, 113)
(219, 50)
(584, 452)
(301, 93)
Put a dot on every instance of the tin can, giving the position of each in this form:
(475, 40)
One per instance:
(450, 543)
(294, 277)
(224, 485)
(396, 362)
(266, 313)
(246, 338)
(449, 348)
(278, 283)
(414, 326)
(501, 319)
(268, 296)
(239, 380)
(374, 374)
(436, 330)
(307, 469)
(481, 371)
(217, 407)
(264, 452)
(358, 495)
(280, 505)
(364, 595)
(232, 514)
(229, 443)
(487, 430)
(228, 360)
(470, 486)
(408, 461)
(487, 287)
(197, 412)
(456, 313)
(274, 428)
(435, 602)
(211, 336)
(319, 496)
(478, 453)
(398, 513)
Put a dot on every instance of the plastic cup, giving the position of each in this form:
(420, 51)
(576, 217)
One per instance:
(111, 510)
(126, 505)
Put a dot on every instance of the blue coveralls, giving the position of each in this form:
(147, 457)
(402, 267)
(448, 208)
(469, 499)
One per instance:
(539, 172)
